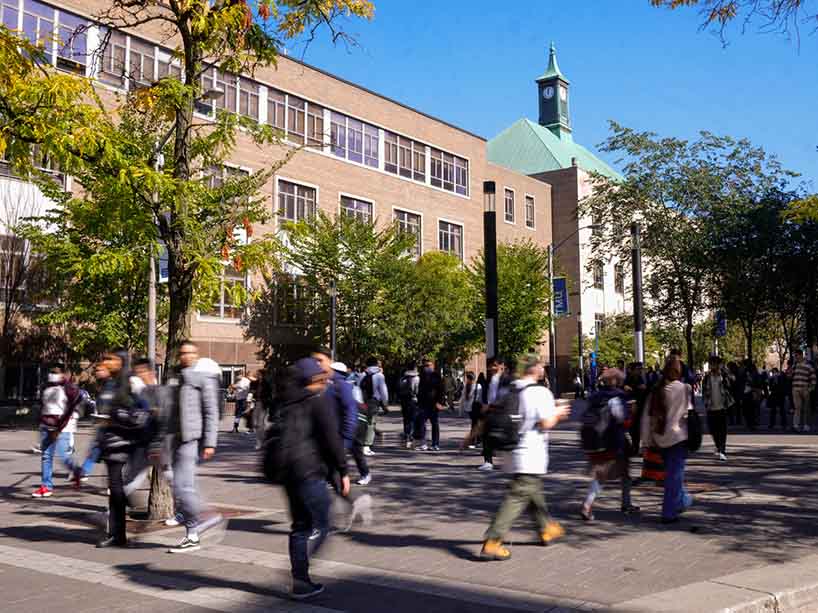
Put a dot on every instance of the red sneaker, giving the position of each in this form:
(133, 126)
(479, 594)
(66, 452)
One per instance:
(43, 492)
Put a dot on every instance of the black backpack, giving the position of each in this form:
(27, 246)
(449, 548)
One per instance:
(503, 421)
(597, 429)
(405, 392)
(367, 386)
(285, 441)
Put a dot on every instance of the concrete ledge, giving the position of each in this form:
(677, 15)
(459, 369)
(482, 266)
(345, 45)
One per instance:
(790, 587)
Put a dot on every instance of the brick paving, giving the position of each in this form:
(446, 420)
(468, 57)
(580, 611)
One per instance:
(430, 512)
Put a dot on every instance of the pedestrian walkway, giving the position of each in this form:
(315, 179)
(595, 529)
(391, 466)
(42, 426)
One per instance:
(755, 514)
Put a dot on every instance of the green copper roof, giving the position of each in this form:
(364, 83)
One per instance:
(529, 148)
(553, 69)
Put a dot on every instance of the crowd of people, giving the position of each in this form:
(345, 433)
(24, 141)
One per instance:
(310, 416)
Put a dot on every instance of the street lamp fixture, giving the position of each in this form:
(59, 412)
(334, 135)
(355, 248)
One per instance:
(490, 261)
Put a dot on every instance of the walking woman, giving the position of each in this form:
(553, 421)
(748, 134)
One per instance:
(124, 430)
(717, 399)
(664, 424)
(472, 393)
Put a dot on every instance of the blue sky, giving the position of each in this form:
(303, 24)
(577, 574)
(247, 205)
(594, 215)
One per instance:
(473, 64)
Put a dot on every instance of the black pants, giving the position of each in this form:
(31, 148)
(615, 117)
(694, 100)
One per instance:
(408, 410)
(750, 410)
(360, 459)
(717, 424)
(776, 407)
(488, 452)
(117, 501)
(431, 414)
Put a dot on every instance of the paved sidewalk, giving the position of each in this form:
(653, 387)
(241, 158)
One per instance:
(747, 543)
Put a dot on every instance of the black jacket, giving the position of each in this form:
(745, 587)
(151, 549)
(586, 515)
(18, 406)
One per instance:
(321, 449)
(130, 421)
(431, 390)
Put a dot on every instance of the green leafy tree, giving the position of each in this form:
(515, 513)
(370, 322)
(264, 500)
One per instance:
(524, 294)
(616, 342)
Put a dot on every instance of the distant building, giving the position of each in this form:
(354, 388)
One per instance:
(546, 150)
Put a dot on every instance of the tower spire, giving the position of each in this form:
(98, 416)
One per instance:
(553, 69)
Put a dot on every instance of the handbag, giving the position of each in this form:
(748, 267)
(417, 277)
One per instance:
(694, 430)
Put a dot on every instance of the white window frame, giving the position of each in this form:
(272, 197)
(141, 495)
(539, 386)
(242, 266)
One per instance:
(403, 209)
(359, 198)
(462, 235)
(513, 221)
(276, 178)
(533, 225)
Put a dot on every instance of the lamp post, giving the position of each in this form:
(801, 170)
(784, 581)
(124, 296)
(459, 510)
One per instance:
(490, 259)
(638, 318)
(333, 309)
(158, 163)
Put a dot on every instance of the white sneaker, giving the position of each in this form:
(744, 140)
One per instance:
(722, 457)
(423, 447)
(435, 448)
(368, 451)
(365, 480)
(174, 521)
(486, 466)
(409, 444)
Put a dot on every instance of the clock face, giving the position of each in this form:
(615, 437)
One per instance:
(563, 93)
(548, 93)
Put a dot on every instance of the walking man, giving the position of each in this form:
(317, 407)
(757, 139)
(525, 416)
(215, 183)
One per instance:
(803, 382)
(408, 394)
(194, 424)
(241, 389)
(431, 400)
(497, 387)
(376, 396)
(538, 414)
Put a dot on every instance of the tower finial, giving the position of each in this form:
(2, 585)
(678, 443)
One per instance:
(553, 69)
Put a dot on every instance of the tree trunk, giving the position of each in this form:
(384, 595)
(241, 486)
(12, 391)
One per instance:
(691, 358)
(180, 288)
(160, 500)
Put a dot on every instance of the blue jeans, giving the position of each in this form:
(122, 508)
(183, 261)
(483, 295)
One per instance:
(309, 509)
(49, 445)
(676, 497)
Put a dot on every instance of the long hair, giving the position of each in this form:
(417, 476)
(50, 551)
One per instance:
(658, 399)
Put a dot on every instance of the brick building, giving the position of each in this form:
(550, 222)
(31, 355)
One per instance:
(365, 154)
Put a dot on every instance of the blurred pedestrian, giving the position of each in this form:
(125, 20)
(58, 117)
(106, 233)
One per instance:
(717, 397)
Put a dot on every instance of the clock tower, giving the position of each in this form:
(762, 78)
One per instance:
(552, 88)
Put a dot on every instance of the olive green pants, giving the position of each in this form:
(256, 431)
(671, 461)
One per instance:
(524, 491)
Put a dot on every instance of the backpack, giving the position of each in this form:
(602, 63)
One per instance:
(597, 429)
(405, 392)
(284, 442)
(367, 386)
(502, 427)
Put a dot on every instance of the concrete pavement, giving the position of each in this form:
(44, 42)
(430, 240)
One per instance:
(747, 544)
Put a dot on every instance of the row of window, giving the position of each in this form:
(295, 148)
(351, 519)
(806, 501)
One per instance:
(297, 202)
(619, 277)
(509, 209)
(128, 62)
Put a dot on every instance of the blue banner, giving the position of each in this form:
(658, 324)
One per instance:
(721, 324)
(560, 297)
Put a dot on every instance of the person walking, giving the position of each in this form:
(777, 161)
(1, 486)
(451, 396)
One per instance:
(717, 398)
(636, 387)
(472, 394)
(193, 424)
(241, 389)
(610, 459)
(664, 424)
(803, 383)
(58, 422)
(496, 387)
(376, 397)
(538, 414)
(431, 400)
(408, 396)
(319, 453)
(123, 434)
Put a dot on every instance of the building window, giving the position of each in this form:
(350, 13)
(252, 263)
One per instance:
(461, 176)
(229, 85)
(248, 98)
(529, 211)
(448, 172)
(141, 65)
(619, 279)
(276, 108)
(296, 118)
(38, 26)
(437, 168)
(295, 202)
(293, 301)
(409, 223)
(338, 134)
(8, 14)
(450, 238)
(315, 126)
(371, 146)
(167, 67)
(405, 153)
(205, 107)
(390, 152)
(419, 162)
(112, 71)
(355, 140)
(72, 50)
(508, 208)
(358, 209)
(228, 304)
(599, 276)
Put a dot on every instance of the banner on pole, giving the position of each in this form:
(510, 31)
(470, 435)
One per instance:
(560, 289)
(164, 265)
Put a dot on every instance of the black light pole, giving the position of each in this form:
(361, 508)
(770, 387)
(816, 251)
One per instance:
(490, 258)
(638, 318)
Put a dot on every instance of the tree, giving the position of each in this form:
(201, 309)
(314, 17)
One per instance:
(783, 16)
(523, 288)
(615, 342)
